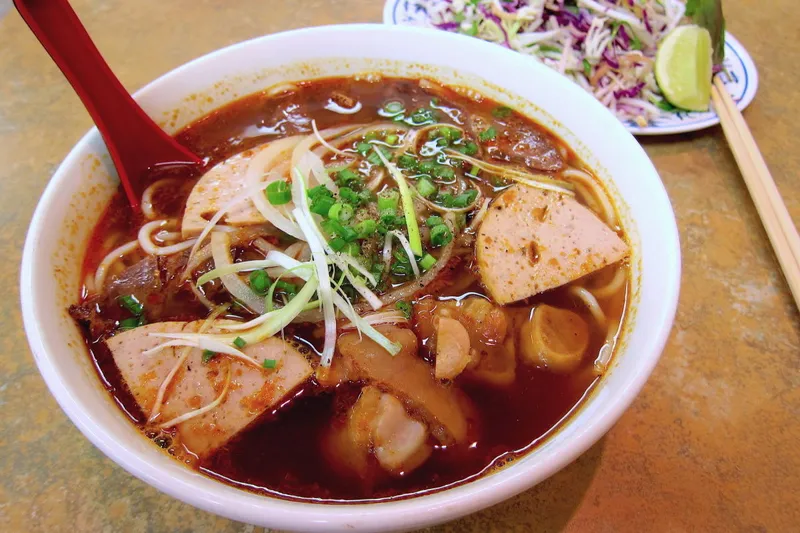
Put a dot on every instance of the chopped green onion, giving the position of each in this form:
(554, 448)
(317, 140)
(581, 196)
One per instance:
(366, 196)
(388, 199)
(470, 148)
(501, 112)
(208, 355)
(465, 198)
(440, 235)
(321, 205)
(131, 323)
(475, 170)
(348, 234)
(259, 282)
(393, 108)
(285, 286)
(427, 261)
(488, 134)
(346, 194)
(375, 159)
(366, 228)
(426, 188)
(279, 193)
(341, 212)
(129, 302)
(587, 68)
(239, 342)
(336, 244)
(405, 308)
(406, 161)
(443, 171)
(422, 117)
(347, 178)
(318, 191)
(426, 167)
(434, 220)
(392, 138)
(352, 248)
(445, 199)
(269, 364)
(362, 148)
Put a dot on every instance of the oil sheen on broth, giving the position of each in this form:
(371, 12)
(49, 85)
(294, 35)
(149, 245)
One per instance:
(502, 302)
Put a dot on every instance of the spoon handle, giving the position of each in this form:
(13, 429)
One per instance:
(134, 141)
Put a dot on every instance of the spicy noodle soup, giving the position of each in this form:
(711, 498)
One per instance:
(373, 289)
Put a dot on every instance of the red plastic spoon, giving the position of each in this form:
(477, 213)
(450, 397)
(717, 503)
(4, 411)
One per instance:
(135, 142)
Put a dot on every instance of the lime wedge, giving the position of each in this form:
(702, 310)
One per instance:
(683, 67)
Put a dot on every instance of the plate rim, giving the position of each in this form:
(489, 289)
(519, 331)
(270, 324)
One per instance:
(745, 59)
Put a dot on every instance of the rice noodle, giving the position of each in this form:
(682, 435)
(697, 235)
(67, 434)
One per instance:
(147, 197)
(608, 213)
(607, 350)
(145, 240)
(613, 286)
(110, 258)
(478, 218)
(220, 251)
(591, 304)
(281, 88)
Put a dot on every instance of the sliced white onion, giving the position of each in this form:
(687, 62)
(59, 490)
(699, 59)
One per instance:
(336, 108)
(220, 251)
(255, 183)
(325, 292)
(324, 142)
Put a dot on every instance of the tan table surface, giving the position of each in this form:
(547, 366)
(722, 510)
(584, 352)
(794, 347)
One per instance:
(711, 444)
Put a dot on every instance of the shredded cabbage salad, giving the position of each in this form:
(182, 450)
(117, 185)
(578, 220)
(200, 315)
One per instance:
(608, 47)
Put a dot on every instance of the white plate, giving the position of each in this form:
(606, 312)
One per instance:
(741, 81)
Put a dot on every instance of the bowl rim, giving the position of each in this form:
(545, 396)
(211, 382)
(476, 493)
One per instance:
(407, 513)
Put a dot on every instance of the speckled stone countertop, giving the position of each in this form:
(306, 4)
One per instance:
(711, 444)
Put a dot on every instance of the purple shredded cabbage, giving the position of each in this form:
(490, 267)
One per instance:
(610, 59)
(622, 34)
(633, 92)
(512, 6)
(647, 25)
(448, 26)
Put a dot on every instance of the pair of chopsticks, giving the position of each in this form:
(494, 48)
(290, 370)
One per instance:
(769, 204)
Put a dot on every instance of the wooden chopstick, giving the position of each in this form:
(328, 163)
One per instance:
(776, 220)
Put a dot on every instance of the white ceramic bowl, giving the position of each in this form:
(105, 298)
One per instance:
(75, 197)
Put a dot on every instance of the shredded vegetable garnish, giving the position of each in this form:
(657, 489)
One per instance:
(607, 47)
